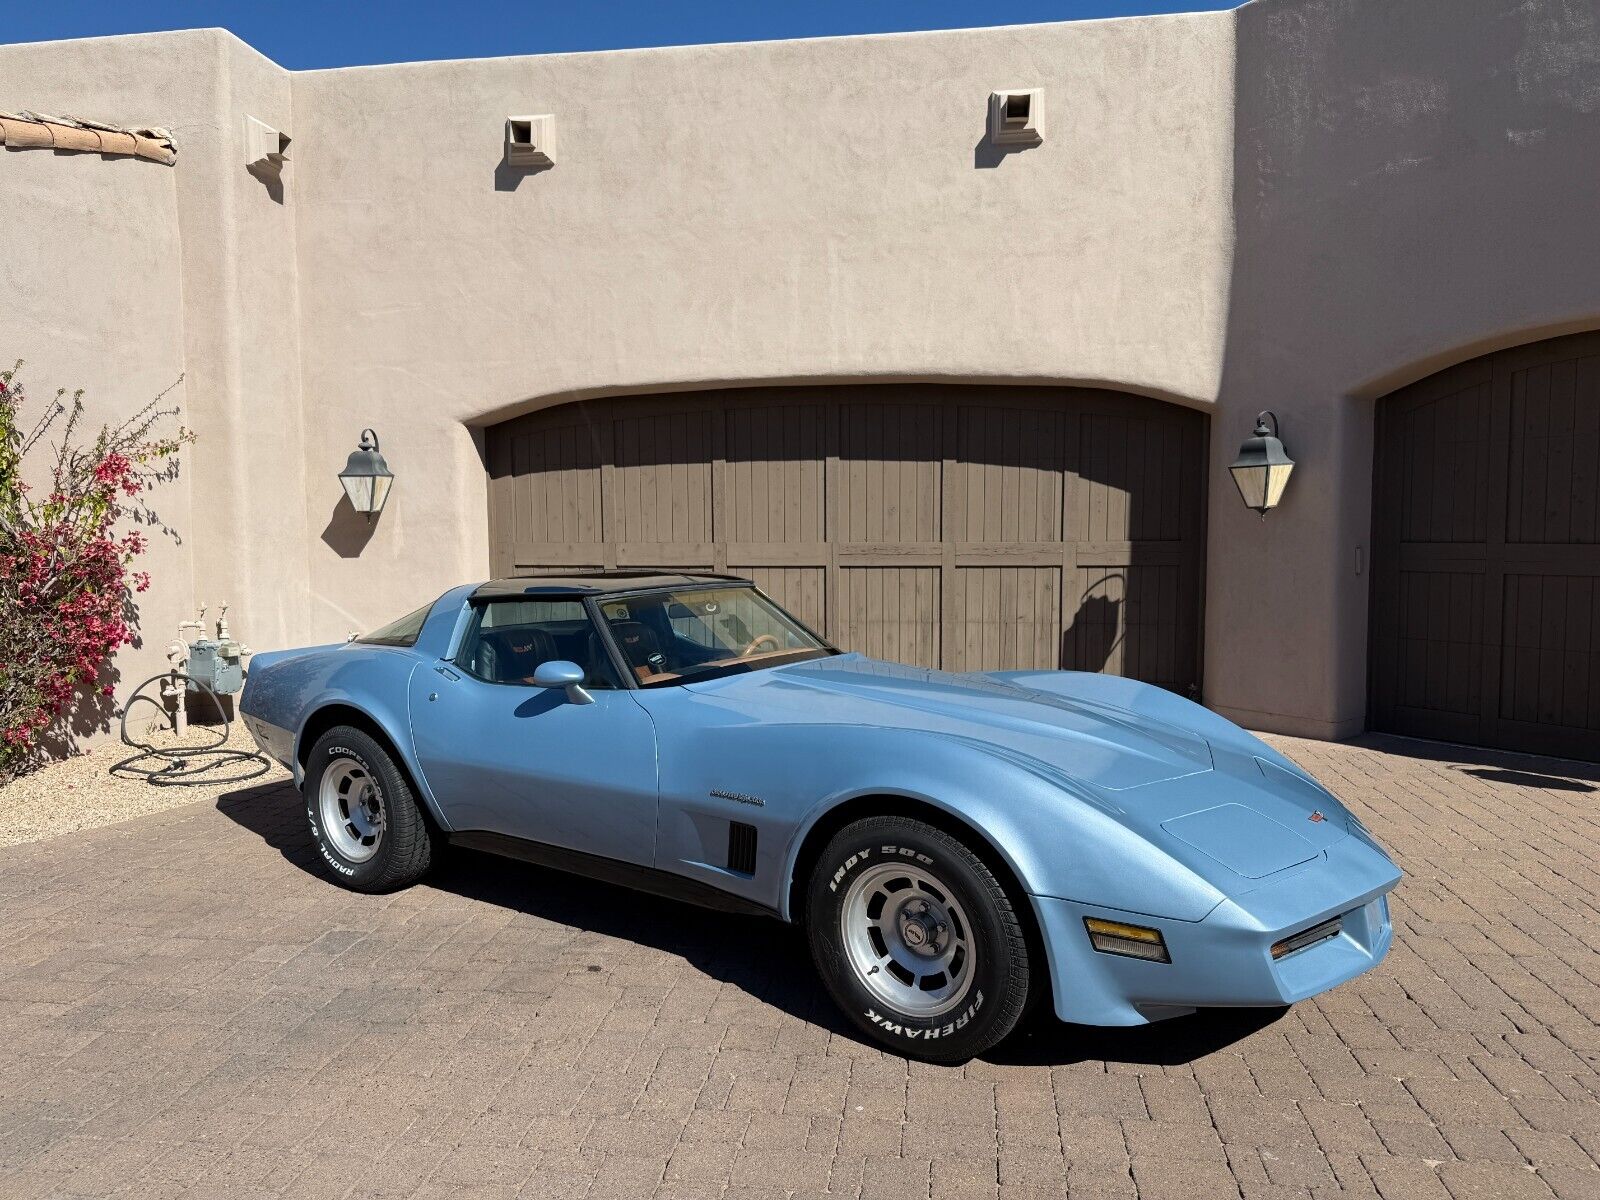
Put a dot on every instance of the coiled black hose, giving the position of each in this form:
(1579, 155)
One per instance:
(185, 766)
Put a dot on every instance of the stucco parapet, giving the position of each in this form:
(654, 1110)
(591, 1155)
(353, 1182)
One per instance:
(27, 130)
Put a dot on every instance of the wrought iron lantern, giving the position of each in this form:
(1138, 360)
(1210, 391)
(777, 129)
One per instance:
(366, 477)
(1262, 469)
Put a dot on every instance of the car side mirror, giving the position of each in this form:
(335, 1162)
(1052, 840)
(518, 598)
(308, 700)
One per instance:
(562, 674)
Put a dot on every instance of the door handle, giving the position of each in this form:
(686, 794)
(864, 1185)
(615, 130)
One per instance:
(446, 672)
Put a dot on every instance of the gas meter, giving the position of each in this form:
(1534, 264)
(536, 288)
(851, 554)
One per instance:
(214, 664)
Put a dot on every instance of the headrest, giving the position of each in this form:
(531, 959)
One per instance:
(640, 646)
(506, 654)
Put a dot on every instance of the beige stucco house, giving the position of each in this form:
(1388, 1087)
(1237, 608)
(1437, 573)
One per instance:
(791, 309)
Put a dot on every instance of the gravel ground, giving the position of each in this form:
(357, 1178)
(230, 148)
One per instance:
(80, 792)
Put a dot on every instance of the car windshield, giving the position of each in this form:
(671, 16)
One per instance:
(676, 635)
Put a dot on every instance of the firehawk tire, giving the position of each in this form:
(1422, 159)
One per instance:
(368, 827)
(916, 940)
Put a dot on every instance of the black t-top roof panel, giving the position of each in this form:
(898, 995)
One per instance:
(596, 584)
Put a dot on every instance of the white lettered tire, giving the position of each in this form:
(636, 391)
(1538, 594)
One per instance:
(368, 827)
(916, 939)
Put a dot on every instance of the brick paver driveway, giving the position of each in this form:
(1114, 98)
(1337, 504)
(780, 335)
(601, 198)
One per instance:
(188, 1008)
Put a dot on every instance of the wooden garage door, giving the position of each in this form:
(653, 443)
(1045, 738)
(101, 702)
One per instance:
(967, 528)
(1486, 567)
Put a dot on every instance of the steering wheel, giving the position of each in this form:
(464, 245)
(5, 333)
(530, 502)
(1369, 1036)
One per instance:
(757, 641)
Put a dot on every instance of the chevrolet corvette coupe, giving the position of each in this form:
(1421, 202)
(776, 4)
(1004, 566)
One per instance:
(956, 846)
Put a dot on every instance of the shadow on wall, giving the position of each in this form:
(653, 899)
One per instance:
(508, 178)
(94, 712)
(1093, 632)
(270, 178)
(765, 959)
(986, 155)
(348, 531)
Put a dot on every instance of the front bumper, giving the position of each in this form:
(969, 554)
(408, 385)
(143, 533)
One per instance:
(1225, 960)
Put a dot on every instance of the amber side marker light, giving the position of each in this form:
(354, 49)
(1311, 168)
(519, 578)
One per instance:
(1130, 941)
(1307, 937)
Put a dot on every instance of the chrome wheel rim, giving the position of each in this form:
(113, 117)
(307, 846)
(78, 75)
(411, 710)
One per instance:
(908, 939)
(351, 807)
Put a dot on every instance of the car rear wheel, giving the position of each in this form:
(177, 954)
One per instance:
(917, 940)
(368, 827)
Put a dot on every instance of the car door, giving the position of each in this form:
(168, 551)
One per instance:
(504, 756)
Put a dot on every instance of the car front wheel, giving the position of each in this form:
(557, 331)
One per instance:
(916, 939)
(368, 827)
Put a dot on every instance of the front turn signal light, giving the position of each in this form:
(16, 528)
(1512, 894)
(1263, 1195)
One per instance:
(1307, 938)
(1130, 941)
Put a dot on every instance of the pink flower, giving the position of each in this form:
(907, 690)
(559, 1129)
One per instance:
(65, 580)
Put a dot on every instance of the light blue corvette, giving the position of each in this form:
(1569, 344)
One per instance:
(956, 846)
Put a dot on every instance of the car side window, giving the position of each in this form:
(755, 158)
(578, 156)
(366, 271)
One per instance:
(403, 632)
(509, 639)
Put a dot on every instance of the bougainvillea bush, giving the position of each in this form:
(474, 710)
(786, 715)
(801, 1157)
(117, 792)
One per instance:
(67, 548)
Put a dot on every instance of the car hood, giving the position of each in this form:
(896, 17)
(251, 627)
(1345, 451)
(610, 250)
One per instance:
(1096, 743)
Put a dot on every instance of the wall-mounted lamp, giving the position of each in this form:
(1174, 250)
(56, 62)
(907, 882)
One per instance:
(1262, 469)
(366, 477)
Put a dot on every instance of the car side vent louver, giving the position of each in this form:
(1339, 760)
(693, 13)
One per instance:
(741, 848)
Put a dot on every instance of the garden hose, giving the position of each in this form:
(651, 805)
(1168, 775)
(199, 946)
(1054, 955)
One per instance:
(185, 766)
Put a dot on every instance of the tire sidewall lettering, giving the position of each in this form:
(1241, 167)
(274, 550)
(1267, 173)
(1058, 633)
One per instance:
(901, 1028)
(872, 854)
(329, 855)
(900, 1025)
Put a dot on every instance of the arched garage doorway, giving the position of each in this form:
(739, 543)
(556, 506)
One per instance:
(953, 526)
(1486, 562)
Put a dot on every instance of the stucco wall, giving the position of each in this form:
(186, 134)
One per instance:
(91, 270)
(802, 210)
(1413, 188)
(89, 259)
(122, 275)
(240, 280)
(1298, 206)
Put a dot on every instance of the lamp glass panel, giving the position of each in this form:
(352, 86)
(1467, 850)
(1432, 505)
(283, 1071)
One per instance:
(359, 489)
(380, 491)
(1277, 480)
(1252, 484)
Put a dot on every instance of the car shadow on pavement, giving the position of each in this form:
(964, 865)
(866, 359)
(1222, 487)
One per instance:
(767, 960)
(1493, 766)
(1043, 1041)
